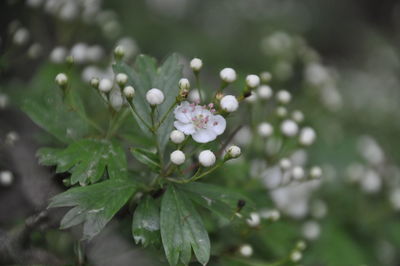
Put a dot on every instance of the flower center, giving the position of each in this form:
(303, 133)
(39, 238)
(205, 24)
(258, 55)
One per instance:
(200, 121)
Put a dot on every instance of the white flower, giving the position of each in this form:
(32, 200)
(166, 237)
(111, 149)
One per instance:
(6, 178)
(311, 230)
(177, 136)
(285, 163)
(79, 52)
(296, 256)
(194, 96)
(105, 85)
(281, 111)
(252, 98)
(61, 79)
(283, 96)
(119, 51)
(184, 84)
(289, 128)
(271, 215)
(199, 122)
(234, 151)
(21, 36)
(371, 182)
(58, 55)
(116, 100)
(3, 101)
(297, 116)
(155, 96)
(315, 172)
(252, 81)
(129, 92)
(228, 75)
(394, 198)
(121, 79)
(177, 157)
(207, 158)
(229, 103)
(297, 172)
(265, 129)
(264, 92)
(307, 136)
(35, 50)
(246, 250)
(128, 46)
(196, 64)
(265, 76)
(254, 219)
(94, 53)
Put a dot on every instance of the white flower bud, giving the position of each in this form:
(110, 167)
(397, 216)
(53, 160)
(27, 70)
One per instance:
(298, 173)
(289, 128)
(311, 230)
(121, 79)
(228, 75)
(264, 92)
(307, 136)
(58, 55)
(4, 101)
(296, 256)
(265, 129)
(207, 158)
(252, 81)
(177, 136)
(94, 53)
(177, 157)
(229, 103)
(194, 96)
(254, 219)
(196, 64)
(6, 178)
(252, 98)
(119, 52)
(79, 52)
(271, 215)
(265, 76)
(283, 96)
(301, 245)
(155, 96)
(285, 164)
(129, 92)
(234, 151)
(105, 85)
(281, 111)
(21, 36)
(184, 84)
(61, 79)
(246, 250)
(315, 172)
(298, 116)
(116, 100)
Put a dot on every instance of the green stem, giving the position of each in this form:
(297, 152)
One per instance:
(166, 115)
(135, 114)
(118, 122)
(196, 176)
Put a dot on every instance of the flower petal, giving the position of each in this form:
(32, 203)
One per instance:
(218, 124)
(204, 135)
(186, 128)
(183, 112)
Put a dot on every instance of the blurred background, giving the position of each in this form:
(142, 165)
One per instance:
(338, 58)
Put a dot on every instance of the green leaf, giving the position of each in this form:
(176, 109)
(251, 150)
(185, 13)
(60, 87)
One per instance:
(87, 160)
(219, 200)
(94, 205)
(147, 158)
(146, 76)
(182, 229)
(44, 104)
(146, 223)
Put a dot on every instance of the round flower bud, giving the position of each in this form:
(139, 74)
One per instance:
(311, 230)
(296, 256)
(298, 173)
(194, 96)
(265, 129)
(252, 98)
(234, 151)
(177, 136)
(21, 36)
(289, 128)
(94, 82)
(177, 157)
(252, 81)
(285, 164)
(129, 92)
(264, 92)
(281, 111)
(196, 64)
(155, 97)
(116, 100)
(119, 52)
(121, 79)
(207, 158)
(246, 250)
(229, 103)
(58, 55)
(265, 76)
(228, 75)
(184, 84)
(61, 79)
(6, 178)
(307, 136)
(271, 215)
(283, 96)
(105, 85)
(298, 116)
(254, 219)
(301, 245)
(315, 172)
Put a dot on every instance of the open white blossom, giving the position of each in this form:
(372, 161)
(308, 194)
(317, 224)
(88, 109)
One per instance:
(199, 122)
